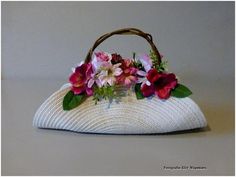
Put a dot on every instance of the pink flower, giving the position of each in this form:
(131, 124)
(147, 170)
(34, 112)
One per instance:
(79, 79)
(161, 84)
(128, 77)
(103, 56)
(99, 59)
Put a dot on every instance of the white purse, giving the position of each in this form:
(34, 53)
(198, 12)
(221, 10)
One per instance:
(128, 116)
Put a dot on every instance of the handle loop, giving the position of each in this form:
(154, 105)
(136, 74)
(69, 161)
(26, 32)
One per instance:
(124, 31)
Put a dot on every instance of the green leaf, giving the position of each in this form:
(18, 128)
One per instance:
(162, 66)
(134, 54)
(181, 91)
(139, 94)
(71, 100)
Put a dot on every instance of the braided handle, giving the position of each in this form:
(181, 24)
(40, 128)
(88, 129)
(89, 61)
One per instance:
(124, 31)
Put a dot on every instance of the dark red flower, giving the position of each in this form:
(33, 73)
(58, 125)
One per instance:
(116, 58)
(161, 84)
(80, 78)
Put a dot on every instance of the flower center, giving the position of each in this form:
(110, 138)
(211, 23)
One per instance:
(109, 72)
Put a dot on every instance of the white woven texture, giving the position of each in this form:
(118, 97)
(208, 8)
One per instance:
(130, 116)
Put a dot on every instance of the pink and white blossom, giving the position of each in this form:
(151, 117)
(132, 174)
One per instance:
(146, 61)
(147, 64)
(108, 73)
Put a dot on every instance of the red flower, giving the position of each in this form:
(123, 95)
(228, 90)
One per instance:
(128, 76)
(79, 79)
(161, 84)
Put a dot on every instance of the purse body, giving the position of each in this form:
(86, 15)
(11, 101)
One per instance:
(129, 116)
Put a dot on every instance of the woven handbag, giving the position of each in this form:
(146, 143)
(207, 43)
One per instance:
(111, 95)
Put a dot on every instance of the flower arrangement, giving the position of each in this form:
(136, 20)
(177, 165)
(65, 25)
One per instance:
(109, 76)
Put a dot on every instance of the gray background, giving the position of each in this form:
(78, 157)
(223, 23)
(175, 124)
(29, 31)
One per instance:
(41, 41)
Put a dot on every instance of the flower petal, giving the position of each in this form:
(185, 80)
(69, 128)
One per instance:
(78, 90)
(116, 65)
(153, 75)
(103, 56)
(90, 83)
(98, 82)
(133, 78)
(133, 70)
(146, 62)
(95, 64)
(141, 80)
(117, 71)
(103, 80)
(89, 69)
(164, 85)
(73, 78)
(89, 91)
(148, 83)
(127, 81)
(171, 80)
(110, 80)
(163, 93)
(141, 73)
(147, 90)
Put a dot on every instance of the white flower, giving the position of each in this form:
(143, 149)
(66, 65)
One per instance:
(108, 73)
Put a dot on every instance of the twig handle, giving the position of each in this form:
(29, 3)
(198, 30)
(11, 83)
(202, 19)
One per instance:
(124, 31)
